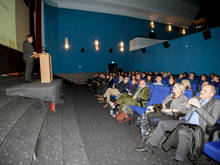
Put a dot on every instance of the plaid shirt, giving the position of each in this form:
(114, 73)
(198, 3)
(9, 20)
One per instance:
(178, 103)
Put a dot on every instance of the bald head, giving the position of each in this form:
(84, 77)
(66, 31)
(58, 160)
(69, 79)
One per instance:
(207, 92)
(142, 83)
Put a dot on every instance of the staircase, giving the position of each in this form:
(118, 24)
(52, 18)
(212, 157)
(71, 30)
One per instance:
(31, 134)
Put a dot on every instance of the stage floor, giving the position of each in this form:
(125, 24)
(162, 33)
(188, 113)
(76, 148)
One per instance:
(37, 90)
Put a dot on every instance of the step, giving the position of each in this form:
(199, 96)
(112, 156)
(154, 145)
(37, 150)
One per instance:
(18, 147)
(50, 151)
(10, 114)
(73, 147)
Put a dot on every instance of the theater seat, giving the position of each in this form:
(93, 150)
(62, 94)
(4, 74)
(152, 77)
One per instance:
(217, 97)
(188, 93)
(159, 93)
(212, 149)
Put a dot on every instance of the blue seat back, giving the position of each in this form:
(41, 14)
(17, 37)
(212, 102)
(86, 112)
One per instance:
(159, 93)
(193, 87)
(217, 97)
(150, 86)
(188, 93)
(212, 149)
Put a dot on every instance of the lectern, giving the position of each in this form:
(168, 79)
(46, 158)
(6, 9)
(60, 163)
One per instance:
(45, 67)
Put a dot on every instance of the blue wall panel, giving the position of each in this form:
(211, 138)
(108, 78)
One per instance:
(189, 53)
(82, 28)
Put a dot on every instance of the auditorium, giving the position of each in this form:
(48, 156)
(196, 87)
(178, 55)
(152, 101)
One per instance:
(109, 82)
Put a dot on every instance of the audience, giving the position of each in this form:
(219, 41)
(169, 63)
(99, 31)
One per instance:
(203, 111)
(131, 89)
(158, 80)
(139, 98)
(186, 84)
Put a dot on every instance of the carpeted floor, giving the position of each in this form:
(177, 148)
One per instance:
(105, 140)
(79, 132)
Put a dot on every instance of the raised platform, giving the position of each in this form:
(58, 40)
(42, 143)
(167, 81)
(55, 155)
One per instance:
(37, 90)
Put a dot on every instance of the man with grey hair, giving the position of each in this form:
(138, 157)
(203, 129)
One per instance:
(204, 110)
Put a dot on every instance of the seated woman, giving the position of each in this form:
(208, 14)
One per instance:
(188, 91)
(174, 102)
(186, 84)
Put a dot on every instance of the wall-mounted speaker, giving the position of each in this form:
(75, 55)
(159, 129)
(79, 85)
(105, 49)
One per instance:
(110, 50)
(207, 35)
(152, 35)
(143, 50)
(82, 50)
(166, 44)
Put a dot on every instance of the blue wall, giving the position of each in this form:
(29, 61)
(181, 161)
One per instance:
(189, 53)
(82, 28)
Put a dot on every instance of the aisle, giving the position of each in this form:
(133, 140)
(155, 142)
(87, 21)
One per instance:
(105, 140)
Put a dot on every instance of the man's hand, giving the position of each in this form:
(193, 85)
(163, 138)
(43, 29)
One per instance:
(195, 102)
(34, 53)
(175, 110)
(134, 97)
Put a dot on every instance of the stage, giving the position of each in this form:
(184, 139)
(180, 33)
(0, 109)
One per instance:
(37, 90)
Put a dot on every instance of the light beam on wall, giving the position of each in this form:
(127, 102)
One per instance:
(183, 31)
(96, 45)
(169, 28)
(152, 25)
(66, 45)
(121, 45)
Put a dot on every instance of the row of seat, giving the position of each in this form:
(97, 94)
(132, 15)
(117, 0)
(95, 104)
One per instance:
(158, 94)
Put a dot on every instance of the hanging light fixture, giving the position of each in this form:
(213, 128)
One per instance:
(96, 45)
(66, 45)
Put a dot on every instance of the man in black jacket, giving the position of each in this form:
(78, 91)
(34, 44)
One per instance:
(28, 52)
(120, 87)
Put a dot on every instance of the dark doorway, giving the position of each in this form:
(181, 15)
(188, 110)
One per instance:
(112, 67)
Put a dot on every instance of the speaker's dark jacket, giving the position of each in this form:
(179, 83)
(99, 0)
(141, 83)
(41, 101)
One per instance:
(28, 50)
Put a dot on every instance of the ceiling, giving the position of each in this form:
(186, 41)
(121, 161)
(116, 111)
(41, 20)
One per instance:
(176, 12)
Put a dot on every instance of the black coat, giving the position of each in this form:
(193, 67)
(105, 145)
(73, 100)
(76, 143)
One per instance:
(197, 140)
(28, 50)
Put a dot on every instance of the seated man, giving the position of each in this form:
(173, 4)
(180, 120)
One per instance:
(158, 80)
(142, 93)
(204, 111)
(120, 87)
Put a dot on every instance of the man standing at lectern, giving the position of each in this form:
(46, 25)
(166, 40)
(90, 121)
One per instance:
(28, 52)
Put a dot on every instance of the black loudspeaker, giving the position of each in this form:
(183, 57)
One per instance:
(143, 50)
(166, 44)
(110, 50)
(152, 35)
(207, 35)
(82, 50)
